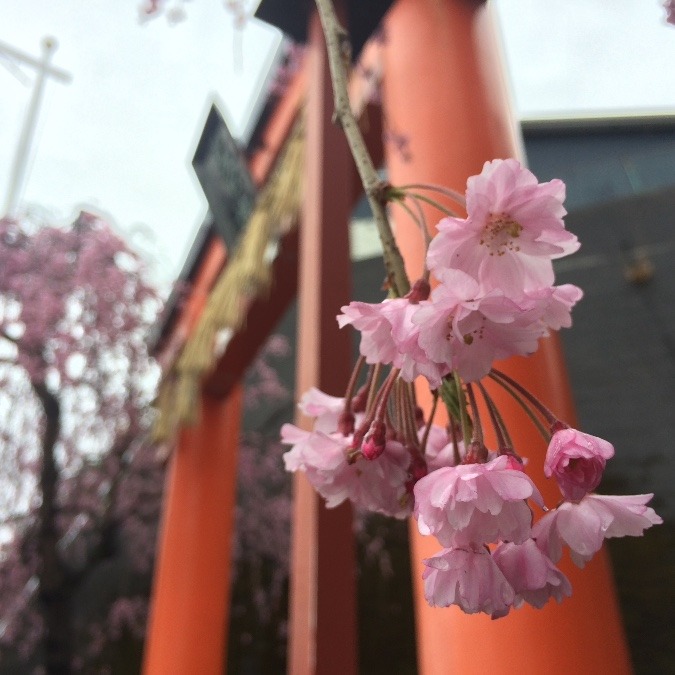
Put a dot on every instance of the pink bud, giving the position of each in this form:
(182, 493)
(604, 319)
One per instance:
(360, 399)
(477, 453)
(515, 460)
(346, 423)
(418, 469)
(577, 461)
(375, 440)
(419, 291)
(419, 417)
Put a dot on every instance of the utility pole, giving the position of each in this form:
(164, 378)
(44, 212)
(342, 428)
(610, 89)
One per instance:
(44, 70)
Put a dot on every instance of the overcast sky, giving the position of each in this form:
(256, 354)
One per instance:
(119, 137)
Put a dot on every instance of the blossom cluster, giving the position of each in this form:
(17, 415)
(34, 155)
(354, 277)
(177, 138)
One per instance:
(494, 297)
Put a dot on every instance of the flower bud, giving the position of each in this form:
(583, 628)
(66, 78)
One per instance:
(419, 291)
(345, 423)
(375, 440)
(359, 400)
(577, 461)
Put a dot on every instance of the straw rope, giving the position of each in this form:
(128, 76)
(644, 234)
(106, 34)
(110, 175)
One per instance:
(246, 276)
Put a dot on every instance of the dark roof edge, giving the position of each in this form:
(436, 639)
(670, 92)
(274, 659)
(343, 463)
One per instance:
(599, 122)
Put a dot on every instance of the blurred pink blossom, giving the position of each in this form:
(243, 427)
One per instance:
(469, 578)
(584, 525)
(532, 575)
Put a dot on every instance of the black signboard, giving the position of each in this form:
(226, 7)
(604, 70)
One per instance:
(224, 177)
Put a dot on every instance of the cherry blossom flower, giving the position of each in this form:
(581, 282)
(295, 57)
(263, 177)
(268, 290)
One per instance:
(323, 458)
(476, 503)
(513, 230)
(583, 526)
(532, 575)
(495, 299)
(558, 302)
(577, 461)
(376, 485)
(388, 336)
(322, 454)
(380, 485)
(468, 578)
(325, 408)
(439, 451)
(377, 343)
(469, 329)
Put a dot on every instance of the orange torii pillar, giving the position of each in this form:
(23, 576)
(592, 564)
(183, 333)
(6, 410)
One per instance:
(187, 627)
(444, 91)
(322, 625)
(189, 616)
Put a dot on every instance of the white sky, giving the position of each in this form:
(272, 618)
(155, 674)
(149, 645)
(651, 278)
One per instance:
(119, 137)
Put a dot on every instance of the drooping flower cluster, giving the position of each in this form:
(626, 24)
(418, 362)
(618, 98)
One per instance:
(494, 298)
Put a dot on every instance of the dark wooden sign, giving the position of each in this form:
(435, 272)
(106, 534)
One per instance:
(224, 177)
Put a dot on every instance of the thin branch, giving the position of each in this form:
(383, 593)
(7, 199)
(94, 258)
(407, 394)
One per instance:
(337, 45)
(9, 338)
(457, 197)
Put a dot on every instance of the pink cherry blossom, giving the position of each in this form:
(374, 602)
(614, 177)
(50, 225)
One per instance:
(469, 329)
(513, 230)
(557, 303)
(476, 503)
(411, 360)
(376, 485)
(583, 526)
(577, 460)
(380, 484)
(439, 451)
(377, 344)
(388, 336)
(532, 575)
(324, 407)
(468, 578)
(323, 458)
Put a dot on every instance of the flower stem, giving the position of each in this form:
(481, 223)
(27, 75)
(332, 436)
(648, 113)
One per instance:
(501, 432)
(419, 219)
(455, 446)
(434, 203)
(351, 386)
(543, 410)
(521, 402)
(463, 416)
(432, 187)
(374, 377)
(432, 414)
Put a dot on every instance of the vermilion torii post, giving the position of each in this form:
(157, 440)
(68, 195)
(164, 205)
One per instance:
(322, 625)
(189, 617)
(444, 91)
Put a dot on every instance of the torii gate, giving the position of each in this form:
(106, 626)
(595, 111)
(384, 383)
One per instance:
(444, 88)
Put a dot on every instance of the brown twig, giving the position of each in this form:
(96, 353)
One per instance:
(337, 45)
